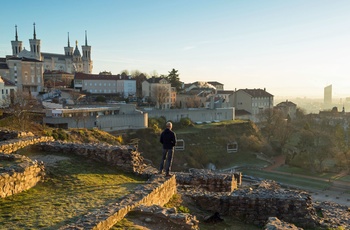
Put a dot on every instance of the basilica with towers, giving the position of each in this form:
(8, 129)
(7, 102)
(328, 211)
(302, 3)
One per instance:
(25, 68)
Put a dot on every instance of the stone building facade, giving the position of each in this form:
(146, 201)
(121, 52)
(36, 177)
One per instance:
(26, 67)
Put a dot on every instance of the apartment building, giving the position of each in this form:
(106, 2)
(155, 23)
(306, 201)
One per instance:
(7, 88)
(105, 84)
(158, 91)
(253, 101)
(107, 118)
(288, 108)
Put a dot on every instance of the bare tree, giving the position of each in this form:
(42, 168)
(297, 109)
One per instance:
(76, 96)
(21, 104)
(193, 102)
(80, 117)
(160, 95)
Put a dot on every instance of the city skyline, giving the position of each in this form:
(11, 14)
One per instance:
(291, 48)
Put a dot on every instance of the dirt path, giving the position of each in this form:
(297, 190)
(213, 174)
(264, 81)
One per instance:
(278, 161)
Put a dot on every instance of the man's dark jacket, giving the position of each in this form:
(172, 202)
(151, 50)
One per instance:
(168, 139)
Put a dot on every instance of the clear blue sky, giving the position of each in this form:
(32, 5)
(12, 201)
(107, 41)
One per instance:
(290, 47)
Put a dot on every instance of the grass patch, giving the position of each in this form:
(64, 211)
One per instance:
(345, 178)
(72, 188)
(301, 171)
(125, 224)
(305, 183)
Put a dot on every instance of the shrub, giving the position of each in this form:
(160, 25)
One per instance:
(120, 139)
(251, 142)
(100, 99)
(186, 122)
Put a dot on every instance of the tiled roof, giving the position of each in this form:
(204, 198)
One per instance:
(154, 79)
(24, 59)
(7, 82)
(214, 83)
(84, 76)
(225, 92)
(76, 51)
(286, 104)
(51, 55)
(257, 92)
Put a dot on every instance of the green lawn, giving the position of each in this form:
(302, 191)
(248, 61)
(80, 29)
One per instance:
(296, 170)
(74, 188)
(289, 179)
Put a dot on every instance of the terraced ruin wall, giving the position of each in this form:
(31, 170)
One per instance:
(121, 156)
(250, 205)
(209, 180)
(18, 173)
(257, 205)
(11, 146)
(21, 174)
(157, 191)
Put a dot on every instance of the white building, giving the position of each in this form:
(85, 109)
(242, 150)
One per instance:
(118, 117)
(105, 84)
(158, 91)
(71, 61)
(26, 67)
(253, 101)
(7, 88)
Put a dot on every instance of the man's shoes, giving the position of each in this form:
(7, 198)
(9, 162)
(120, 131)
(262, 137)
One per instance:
(159, 172)
(168, 175)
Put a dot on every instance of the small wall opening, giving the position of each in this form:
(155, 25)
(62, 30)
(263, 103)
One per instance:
(232, 147)
(180, 144)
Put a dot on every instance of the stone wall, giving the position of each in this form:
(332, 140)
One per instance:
(158, 190)
(209, 180)
(256, 205)
(124, 157)
(251, 205)
(18, 173)
(11, 146)
(11, 134)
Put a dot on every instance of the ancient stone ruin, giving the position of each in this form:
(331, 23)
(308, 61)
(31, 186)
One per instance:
(221, 193)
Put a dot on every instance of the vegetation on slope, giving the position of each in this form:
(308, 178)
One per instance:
(204, 144)
(73, 187)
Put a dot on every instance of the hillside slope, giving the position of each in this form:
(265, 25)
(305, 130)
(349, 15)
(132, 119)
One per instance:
(205, 144)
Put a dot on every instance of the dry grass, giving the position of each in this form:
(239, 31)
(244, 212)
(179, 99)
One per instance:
(72, 188)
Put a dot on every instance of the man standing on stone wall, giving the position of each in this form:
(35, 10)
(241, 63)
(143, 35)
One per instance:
(168, 139)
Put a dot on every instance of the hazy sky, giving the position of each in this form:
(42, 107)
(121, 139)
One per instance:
(289, 47)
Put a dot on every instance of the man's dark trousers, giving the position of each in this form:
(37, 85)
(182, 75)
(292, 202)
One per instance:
(168, 159)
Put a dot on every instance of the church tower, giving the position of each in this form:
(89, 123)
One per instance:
(68, 50)
(16, 45)
(87, 63)
(77, 61)
(35, 45)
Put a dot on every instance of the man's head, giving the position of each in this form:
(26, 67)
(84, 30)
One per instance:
(169, 125)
